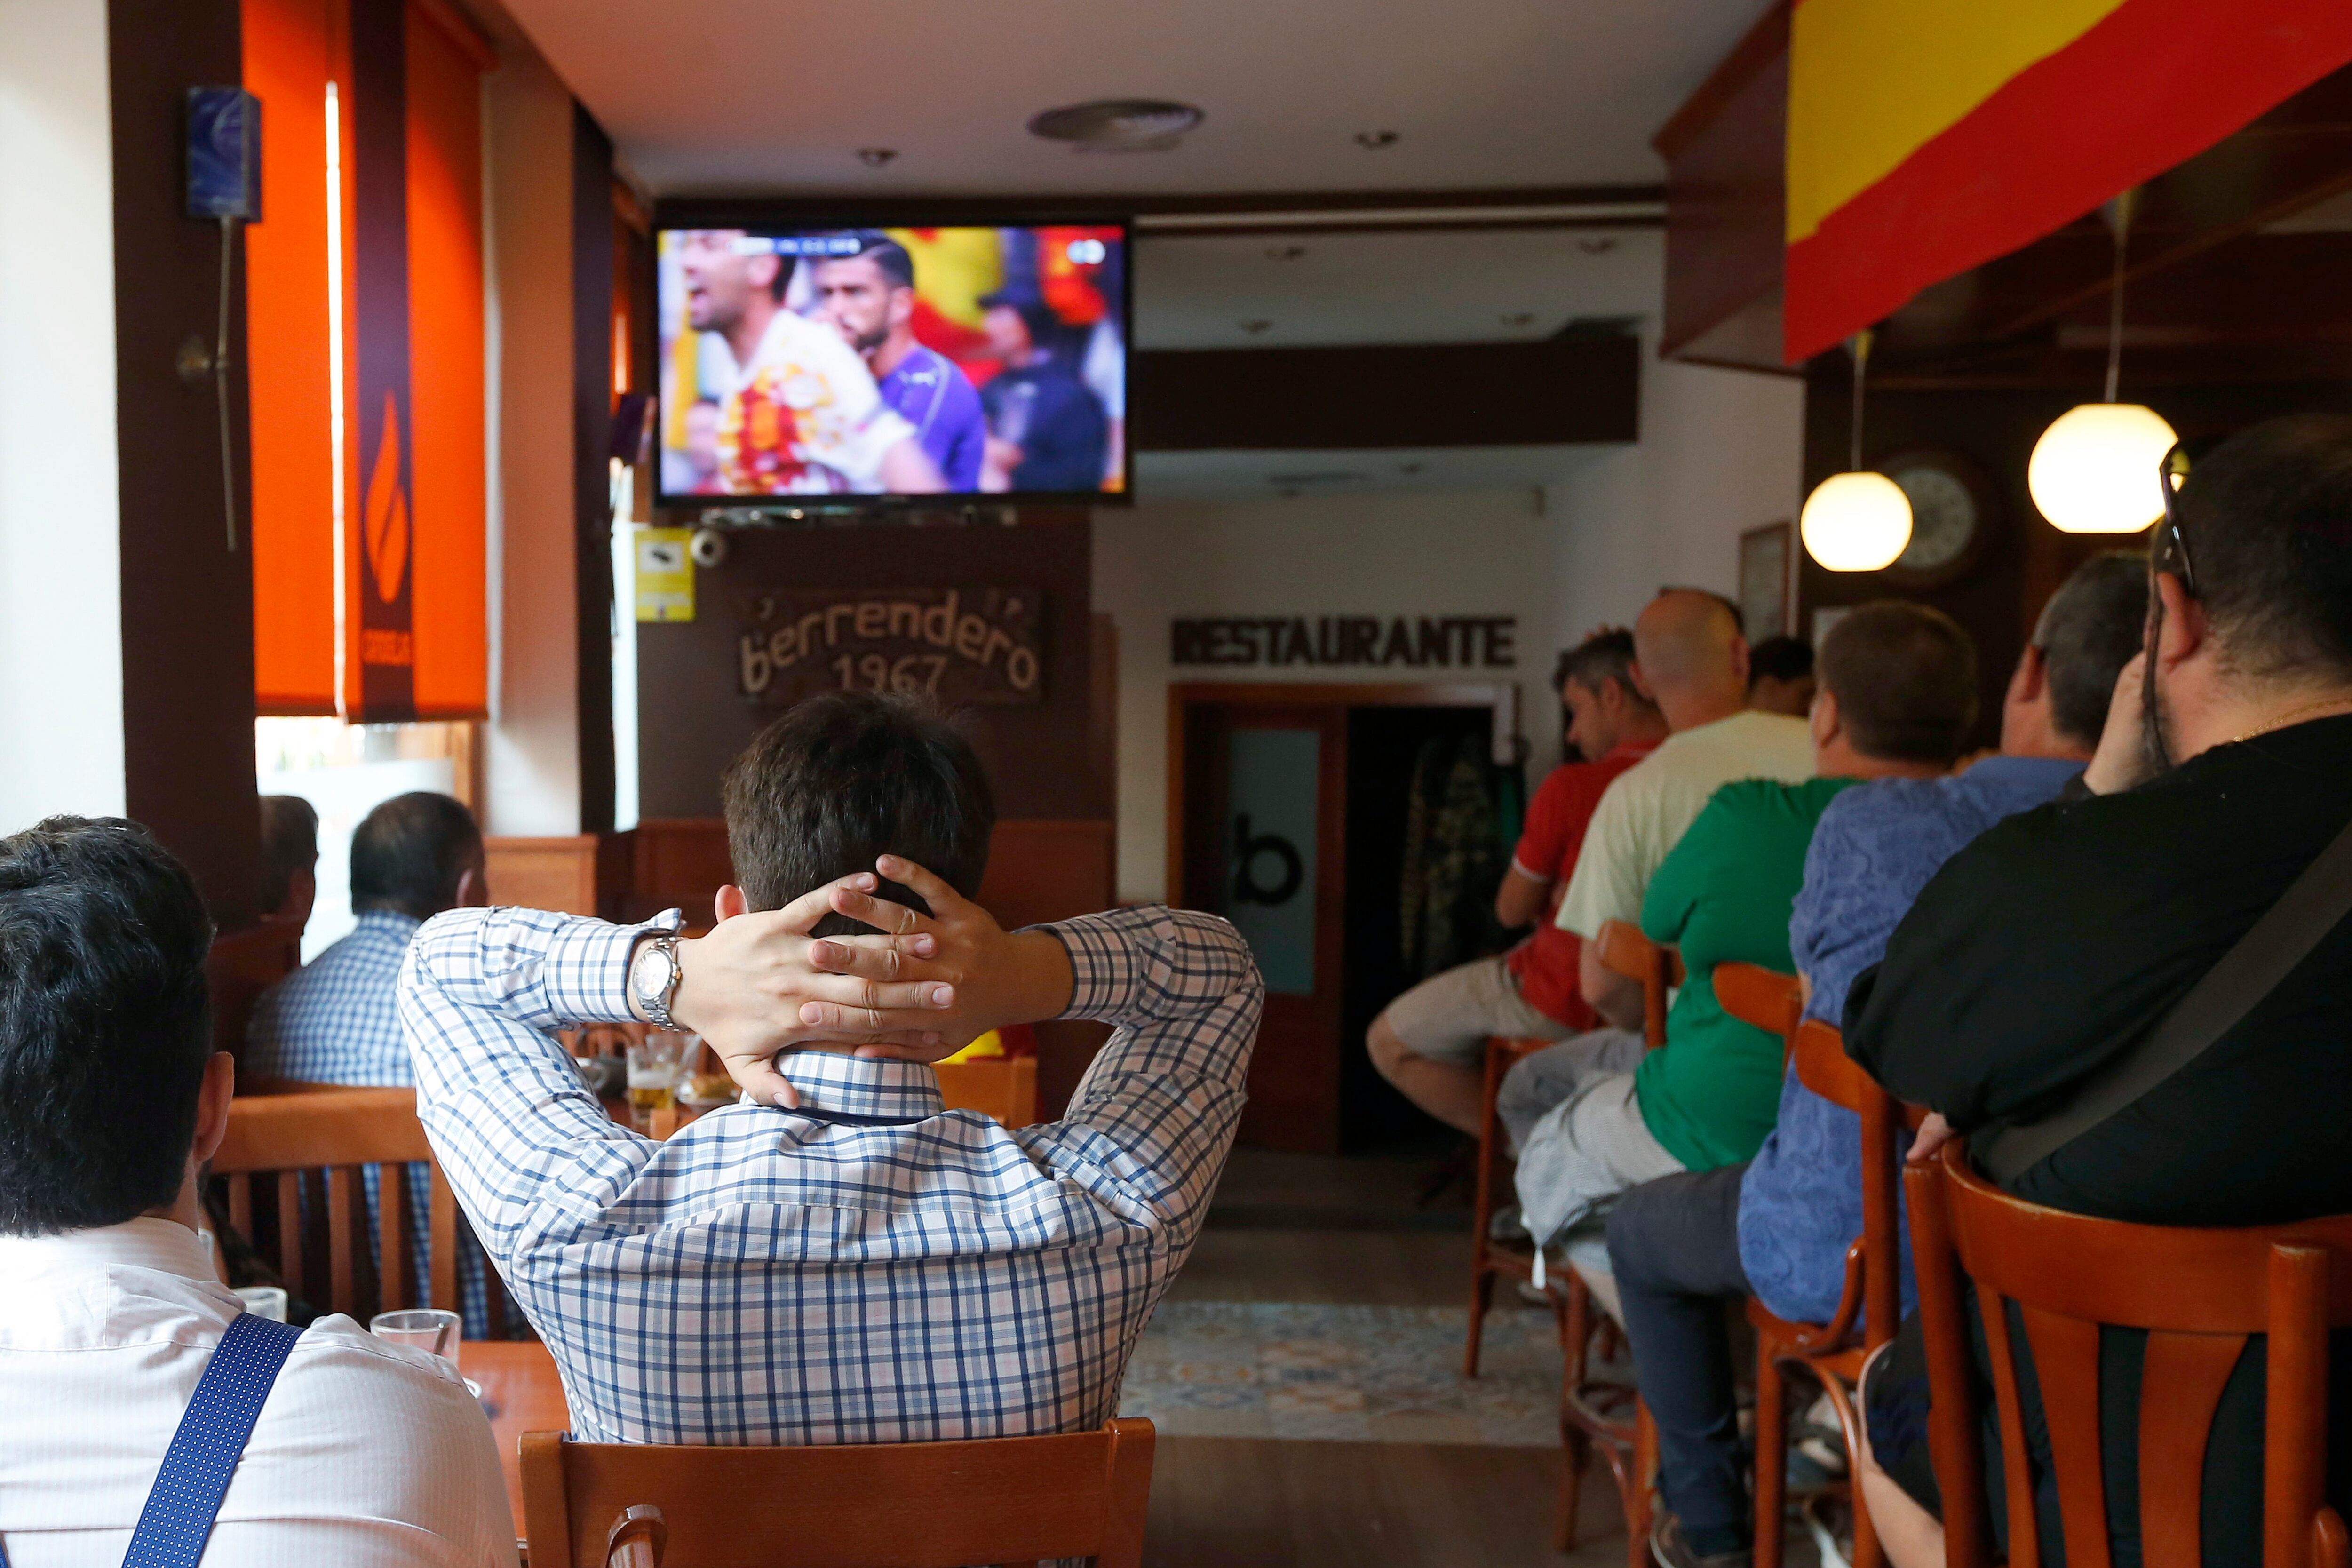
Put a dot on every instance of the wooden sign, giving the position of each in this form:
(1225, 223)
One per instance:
(961, 644)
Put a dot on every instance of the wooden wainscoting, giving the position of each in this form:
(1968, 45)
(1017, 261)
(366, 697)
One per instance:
(545, 873)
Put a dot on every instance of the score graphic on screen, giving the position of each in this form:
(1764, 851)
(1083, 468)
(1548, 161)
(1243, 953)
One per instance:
(811, 361)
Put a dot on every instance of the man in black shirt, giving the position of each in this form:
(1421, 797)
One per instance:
(2053, 944)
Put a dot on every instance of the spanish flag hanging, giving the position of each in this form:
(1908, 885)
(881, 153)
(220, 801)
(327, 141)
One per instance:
(1927, 137)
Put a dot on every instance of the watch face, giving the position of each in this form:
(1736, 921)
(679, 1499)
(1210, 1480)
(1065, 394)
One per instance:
(1943, 518)
(649, 976)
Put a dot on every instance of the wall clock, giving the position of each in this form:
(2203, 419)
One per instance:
(1952, 508)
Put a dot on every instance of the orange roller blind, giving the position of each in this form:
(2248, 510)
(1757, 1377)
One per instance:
(445, 366)
(294, 51)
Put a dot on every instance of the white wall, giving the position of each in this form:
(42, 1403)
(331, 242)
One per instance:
(1722, 451)
(1481, 553)
(531, 765)
(61, 542)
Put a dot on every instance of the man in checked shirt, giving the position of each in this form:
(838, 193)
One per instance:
(836, 1258)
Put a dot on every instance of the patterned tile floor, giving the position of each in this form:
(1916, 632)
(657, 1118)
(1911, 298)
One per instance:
(1345, 1373)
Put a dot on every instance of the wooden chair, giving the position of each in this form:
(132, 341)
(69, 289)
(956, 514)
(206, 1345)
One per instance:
(638, 1539)
(2198, 1294)
(1657, 969)
(1831, 1354)
(337, 1132)
(1607, 1416)
(891, 1505)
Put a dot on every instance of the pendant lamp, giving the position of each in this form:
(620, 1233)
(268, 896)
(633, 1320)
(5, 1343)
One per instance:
(2094, 470)
(1857, 521)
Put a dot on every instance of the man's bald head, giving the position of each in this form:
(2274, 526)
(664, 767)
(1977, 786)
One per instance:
(1689, 658)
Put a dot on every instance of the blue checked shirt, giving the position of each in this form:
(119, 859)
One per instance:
(868, 1269)
(337, 1020)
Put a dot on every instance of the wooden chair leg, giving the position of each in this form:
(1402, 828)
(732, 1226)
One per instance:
(1576, 1463)
(1482, 1298)
(1867, 1551)
(1638, 1493)
(1771, 1459)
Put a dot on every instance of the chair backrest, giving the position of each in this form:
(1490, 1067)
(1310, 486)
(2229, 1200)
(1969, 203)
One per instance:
(2198, 1294)
(1766, 998)
(1657, 968)
(338, 1131)
(890, 1505)
(1002, 1087)
(1874, 1262)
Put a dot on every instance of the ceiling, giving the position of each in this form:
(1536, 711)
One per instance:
(716, 96)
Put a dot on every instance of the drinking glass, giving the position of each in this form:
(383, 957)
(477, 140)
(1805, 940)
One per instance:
(428, 1329)
(264, 1302)
(654, 1064)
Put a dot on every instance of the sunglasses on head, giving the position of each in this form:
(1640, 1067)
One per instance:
(2169, 550)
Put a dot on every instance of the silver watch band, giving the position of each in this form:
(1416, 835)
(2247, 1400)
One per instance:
(655, 1005)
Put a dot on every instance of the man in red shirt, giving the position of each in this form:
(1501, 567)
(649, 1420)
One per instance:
(1431, 1041)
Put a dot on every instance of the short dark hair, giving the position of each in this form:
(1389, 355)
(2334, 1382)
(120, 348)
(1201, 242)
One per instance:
(889, 257)
(2087, 633)
(290, 846)
(408, 854)
(1781, 659)
(105, 1024)
(2267, 519)
(1600, 658)
(845, 777)
(1904, 677)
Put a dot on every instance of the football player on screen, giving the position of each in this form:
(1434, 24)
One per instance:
(803, 416)
(869, 298)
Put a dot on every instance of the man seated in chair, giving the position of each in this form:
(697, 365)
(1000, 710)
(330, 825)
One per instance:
(1778, 1227)
(364, 1455)
(1897, 700)
(1430, 1042)
(836, 1258)
(335, 1019)
(2053, 944)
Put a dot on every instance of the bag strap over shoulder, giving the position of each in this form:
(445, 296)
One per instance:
(2271, 947)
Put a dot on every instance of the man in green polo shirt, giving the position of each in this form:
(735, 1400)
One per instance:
(1594, 1116)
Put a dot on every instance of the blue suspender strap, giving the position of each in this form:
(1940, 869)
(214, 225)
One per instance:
(204, 1451)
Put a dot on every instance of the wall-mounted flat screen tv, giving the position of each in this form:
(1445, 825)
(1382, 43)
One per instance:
(805, 362)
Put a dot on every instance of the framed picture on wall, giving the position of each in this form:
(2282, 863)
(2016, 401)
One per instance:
(1764, 561)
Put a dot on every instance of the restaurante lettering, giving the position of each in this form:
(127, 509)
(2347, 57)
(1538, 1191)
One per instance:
(1419, 642)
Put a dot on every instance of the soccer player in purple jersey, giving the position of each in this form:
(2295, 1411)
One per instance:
(869, 299)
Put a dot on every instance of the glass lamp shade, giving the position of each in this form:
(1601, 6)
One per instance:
(2094, 470)
(1855, 522)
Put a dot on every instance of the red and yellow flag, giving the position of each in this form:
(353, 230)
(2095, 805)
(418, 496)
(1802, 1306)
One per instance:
(1927, 137)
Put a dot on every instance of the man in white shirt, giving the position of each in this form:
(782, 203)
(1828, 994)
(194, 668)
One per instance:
(804, 417)
(1691, 660)
(110, 1099)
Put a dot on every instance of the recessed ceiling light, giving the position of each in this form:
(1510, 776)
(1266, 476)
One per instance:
(1119, 124)
(1253, 328)
(1601, 245)
(875, 157)
(1516, 317)
(1375, 140)
(1284, 252)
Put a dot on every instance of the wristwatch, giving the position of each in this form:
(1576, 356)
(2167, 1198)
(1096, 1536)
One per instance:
(652, 978)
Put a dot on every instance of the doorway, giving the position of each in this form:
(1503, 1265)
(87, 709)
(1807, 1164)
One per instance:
(1289, 813)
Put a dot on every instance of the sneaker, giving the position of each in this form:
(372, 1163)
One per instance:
(1671, 1550)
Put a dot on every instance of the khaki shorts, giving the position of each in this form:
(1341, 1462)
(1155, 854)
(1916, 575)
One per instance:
(1573, 1117)
(1448, 1017)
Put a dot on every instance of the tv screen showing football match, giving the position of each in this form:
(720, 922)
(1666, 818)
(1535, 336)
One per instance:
(812, 361)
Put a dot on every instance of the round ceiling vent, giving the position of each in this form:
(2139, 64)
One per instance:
(1119, 124)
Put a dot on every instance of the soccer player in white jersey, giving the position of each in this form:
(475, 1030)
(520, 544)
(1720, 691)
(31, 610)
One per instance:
(804, 416)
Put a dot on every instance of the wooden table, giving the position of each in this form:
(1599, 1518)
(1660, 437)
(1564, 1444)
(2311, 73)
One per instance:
(520, 1392)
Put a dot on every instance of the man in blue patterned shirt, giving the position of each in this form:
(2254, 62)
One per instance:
(836, 1258)
(335, 1020)
(1779, 1226)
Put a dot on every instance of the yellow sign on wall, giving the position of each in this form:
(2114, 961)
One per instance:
(664, 575)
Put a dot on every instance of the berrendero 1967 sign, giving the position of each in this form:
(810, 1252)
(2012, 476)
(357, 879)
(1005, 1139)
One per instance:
(964, 643)
(1418, 642)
